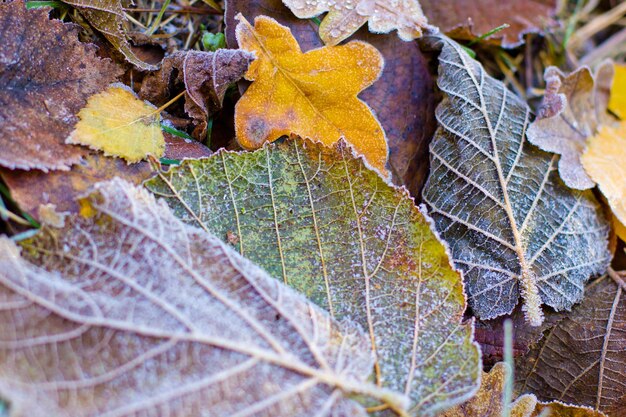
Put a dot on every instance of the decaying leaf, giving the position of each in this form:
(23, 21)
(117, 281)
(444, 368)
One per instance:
(573, 108)
(406, 82)
(46, 76)
(581, 360)
(132, 312)
(617, 102)
(118, 123)
(513, 227)
(604, 162)
(469, 19)
(345, 17)
(107, 17)
(205, 76)
(317, 219)
(311, 94)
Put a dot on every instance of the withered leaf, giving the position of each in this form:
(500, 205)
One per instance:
(406, 81)
(469, 19)
(46, 76)
(573, 108)
(345, 17)
(132, 312)
(318, 220)
(205, 76)
(581, 360)
(513, 227)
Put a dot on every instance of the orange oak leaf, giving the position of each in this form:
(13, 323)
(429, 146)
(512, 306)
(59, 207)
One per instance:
(312, 94)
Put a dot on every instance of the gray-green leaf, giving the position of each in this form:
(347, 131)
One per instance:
(512, 225)
(317, 219)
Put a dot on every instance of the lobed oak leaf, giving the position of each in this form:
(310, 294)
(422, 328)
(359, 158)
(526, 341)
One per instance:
(513, 227)
(318, 220)
(406, 82)
(573, 108)
(132, 312)
(46, 76)
(313, 94)
(345, 17)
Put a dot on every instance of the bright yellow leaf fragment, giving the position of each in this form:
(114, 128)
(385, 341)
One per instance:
(313, 94)
(118, 123)
(617, 103)
(604, 162)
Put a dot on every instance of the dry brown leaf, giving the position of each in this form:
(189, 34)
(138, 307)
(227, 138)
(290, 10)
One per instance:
(132, 312)
(46, 76)
(345, 17)
(469, 19)
(312, 95)
(573, 108)
(205, 76)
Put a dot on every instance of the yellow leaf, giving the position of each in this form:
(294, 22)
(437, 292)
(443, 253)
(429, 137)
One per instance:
(617, 103)
(604, 162)
(118, 123)
(313, 94)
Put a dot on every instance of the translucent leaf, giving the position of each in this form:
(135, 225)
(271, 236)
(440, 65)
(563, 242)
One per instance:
(133, 313)
(317, 219)
(512, 225)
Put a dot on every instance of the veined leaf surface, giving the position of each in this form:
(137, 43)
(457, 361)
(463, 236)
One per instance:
(317, 219)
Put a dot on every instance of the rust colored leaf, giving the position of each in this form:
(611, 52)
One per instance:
(469, 19)
(204, 75)
(581, 360)
(345, 17)
(46, 76)
(574, 106)
(313, 94)
(130, 312)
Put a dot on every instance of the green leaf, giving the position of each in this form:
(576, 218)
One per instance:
(317, 219)
(513, 227)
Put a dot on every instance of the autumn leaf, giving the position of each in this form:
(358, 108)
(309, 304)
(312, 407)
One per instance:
(512, 226)
(470, 19)
(133, 312)
(318, 220)
(107, 17)
(345, 17)
(581, 360)
(204, 76)
(118, 123)
(313, 95)
(406, 81)
(46, 76)
(617, 102)
(573, 108)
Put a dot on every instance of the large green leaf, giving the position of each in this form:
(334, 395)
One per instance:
(317, 219)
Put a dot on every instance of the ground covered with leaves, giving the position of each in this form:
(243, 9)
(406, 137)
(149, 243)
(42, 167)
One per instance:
(324, 208)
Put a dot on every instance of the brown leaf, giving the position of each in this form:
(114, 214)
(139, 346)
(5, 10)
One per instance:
(582, 359)
(403, 98)
(469, 19)
(46, 76)
(573, 108)
(204, 75)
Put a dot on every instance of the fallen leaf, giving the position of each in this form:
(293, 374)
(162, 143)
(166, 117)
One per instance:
(406, 81)
(313, 95)
(573, 108)
(133, 312)
(107, 17)
(581, 360)
(46, 76)
(558, 409)
(470, 19)
(205, 76)
(318, 220)
(345, 17)
(604, 162)
(512, 226)
(118, 123)
(617, 102)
